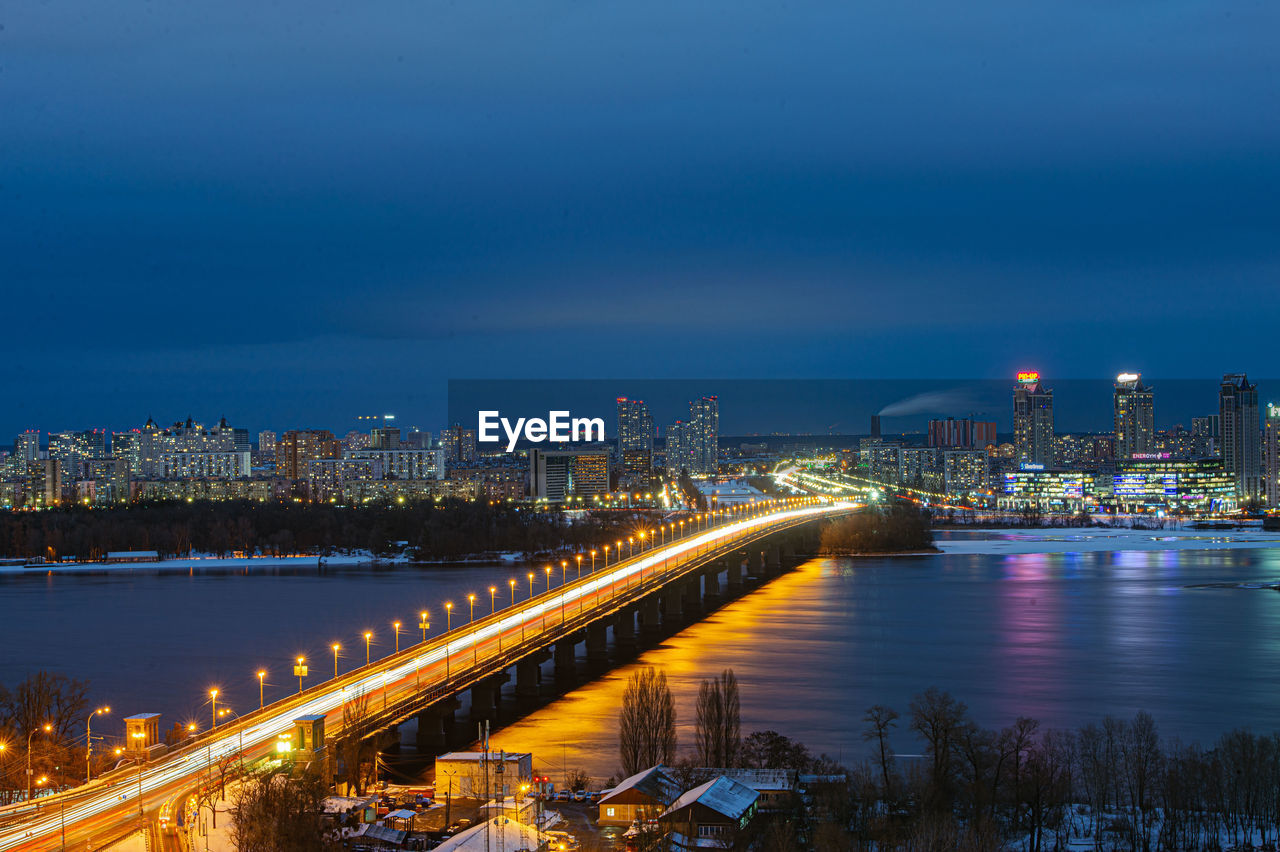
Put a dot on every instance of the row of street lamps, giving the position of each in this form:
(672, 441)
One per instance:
(654, 536)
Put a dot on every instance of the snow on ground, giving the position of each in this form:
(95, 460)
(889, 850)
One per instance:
(205, 563)
(1100, 539)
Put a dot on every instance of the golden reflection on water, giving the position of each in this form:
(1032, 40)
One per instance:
(580, 730)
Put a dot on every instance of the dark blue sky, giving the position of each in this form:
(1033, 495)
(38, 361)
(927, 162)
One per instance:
(291, 213)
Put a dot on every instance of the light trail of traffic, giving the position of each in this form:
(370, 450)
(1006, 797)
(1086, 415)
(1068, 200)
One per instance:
(121, 794)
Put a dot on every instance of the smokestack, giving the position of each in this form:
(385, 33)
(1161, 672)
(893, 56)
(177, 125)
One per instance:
(875, 426)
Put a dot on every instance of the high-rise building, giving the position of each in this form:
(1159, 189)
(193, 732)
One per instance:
(299, 446)
(1271, 444)
(1206, 435)
(1134, 405)
(676, 447)
(1241, 434)
(561, 475)
(963, 433)
(72, 449)
(459, 445)
(1032, 420)
(704, 435)
(127, 448)
(385, 438)
(26, 447)
(267, 443)
(635, 442)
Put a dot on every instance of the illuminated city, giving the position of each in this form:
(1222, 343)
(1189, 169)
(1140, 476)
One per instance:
(676, 427)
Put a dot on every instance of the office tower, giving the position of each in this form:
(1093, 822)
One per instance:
(127, 448)
(561, 475)
(1032, 420)
(676, 447)
(1271, 445)
(1241, 435)
(703, 435)
(72, 449)
(1206, 435)
(385, 438)
(267, 443)
(1134, 405)
(299, 446)
(27, 446)
(240, 441)
(416, 439)
(635, 442)
(459, 446)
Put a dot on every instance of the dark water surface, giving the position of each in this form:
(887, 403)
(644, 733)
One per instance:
(1062, 637)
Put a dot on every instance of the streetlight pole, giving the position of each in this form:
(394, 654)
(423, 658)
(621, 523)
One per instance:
(261, 675)
(336, 647)
(493, 605)
(301, 671)
(47, 728)
(512, 583)
(88, 742)
(606, 556)
(395, 625)
(368, 637)
(475, 652)
(530, 585)
(448, 609)
(213, 697)
(579, 558)
(593, 561)
(423, 624)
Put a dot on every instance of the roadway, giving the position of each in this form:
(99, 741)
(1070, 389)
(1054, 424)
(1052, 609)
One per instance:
(89, 815)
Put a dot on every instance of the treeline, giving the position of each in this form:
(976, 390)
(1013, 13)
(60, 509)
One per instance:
(450, 529)
(1110, 785)
(891, 529)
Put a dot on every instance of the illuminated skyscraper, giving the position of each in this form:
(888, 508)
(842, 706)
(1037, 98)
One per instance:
(1241, 434)
(1032, 420)
(635, 442)
(1271, 447)
(299, 446)
(704, 435)
(267, 443)
(27, 446)
(1134, 405)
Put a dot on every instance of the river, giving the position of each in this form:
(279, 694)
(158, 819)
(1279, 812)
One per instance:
(1065, 637)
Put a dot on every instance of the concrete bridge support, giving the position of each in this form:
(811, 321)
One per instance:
(711, 585)
(624, 629)
(485, 695)
(597, 642)
(564, 656)
(435, 724)
(528, 675)
(773, 564)
(650, 622)
(692, 592)
(737, 571)
(672, 604)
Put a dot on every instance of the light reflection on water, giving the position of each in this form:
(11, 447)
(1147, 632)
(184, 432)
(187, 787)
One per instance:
(1064, 637)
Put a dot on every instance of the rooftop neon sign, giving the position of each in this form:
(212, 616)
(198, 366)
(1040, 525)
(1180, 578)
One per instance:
(1028, 377)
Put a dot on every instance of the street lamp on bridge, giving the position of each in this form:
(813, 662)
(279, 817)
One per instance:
(300, 671)
(493, 603)
(395, 625)
(88, 742)
(423, 624)
(213, 709)
(261, 676)
(336, 648)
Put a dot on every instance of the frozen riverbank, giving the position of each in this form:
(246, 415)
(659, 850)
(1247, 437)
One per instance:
(1098, 539)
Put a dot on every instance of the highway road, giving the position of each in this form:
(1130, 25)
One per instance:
(90, 815)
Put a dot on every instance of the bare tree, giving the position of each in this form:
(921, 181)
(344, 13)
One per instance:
(880, 721)
(353, 742)
(275, 813)
(647, 727)
(719, 723)
(937, 718)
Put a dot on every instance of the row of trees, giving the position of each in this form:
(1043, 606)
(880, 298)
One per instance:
(1113, 784)
(446, 530)
(894, 528)
(57, 754)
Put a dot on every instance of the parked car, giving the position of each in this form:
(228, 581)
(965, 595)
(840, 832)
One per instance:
(581, 796)
(564, 796)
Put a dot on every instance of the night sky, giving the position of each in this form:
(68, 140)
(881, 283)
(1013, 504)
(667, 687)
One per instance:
(293, 213)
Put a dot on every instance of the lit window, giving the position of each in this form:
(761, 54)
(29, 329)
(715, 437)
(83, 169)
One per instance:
(608, 812)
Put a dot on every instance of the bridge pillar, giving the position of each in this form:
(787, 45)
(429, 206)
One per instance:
(775, 560)
(649, 615)
(597, 642)
(673, 603)
(527, 676)
(435, 724)
(484, 697)
(624, 629)
(564, 655)
(692, 592)
(734, 581)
